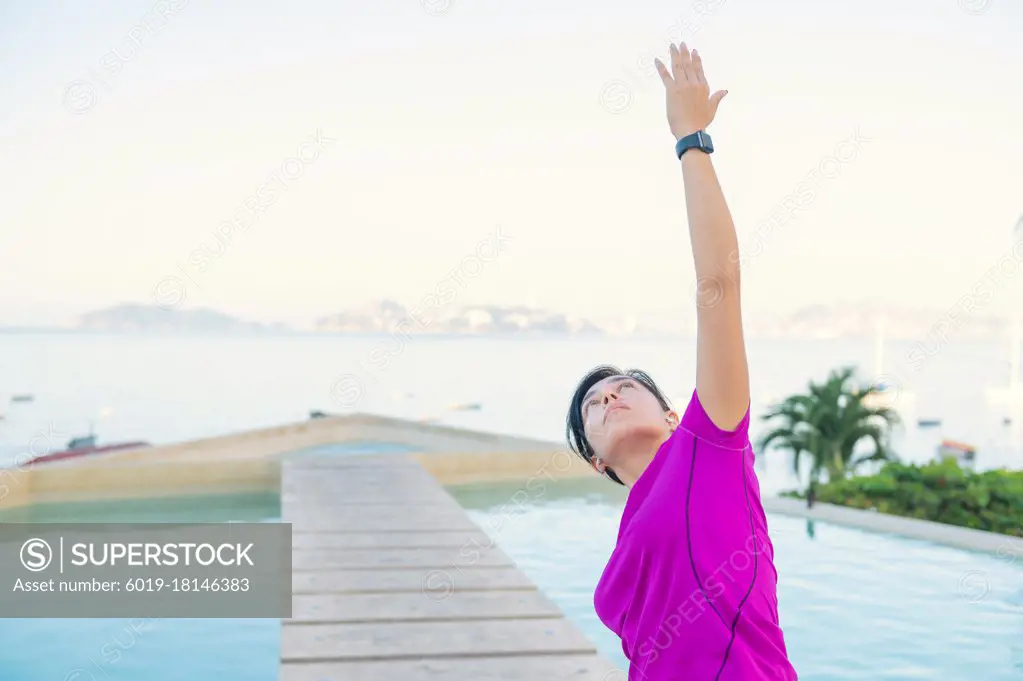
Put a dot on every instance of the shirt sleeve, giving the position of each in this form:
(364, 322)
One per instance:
(697, 421)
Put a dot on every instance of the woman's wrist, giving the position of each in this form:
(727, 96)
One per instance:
(684, 131)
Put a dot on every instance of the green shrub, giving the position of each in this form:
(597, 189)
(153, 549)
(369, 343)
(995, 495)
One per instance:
(939, 491)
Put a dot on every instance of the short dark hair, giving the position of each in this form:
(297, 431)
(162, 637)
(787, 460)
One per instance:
(575, 431)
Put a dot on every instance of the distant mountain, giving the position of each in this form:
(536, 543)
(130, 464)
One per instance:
(377, 318)
(131, 317)
(387, 315)
(843, 320)
(871, 319)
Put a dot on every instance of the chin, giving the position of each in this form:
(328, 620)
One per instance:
(625, 435)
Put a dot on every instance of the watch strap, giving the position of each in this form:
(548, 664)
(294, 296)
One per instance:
(697, 140)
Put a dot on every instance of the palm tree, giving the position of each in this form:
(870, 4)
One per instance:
(827, 423)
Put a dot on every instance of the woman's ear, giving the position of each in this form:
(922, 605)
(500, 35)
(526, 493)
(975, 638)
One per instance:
(672, 419)
(601, 468)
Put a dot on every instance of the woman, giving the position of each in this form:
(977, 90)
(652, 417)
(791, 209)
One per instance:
(690, 588)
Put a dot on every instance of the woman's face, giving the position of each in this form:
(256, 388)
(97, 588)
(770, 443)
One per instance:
(618, 411)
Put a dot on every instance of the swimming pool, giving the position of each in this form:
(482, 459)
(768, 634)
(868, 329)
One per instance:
(854, 605)
(150, 649)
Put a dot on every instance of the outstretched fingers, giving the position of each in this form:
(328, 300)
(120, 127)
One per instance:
(663, 72)
(697, 68)
(690, 106)
(682, 63)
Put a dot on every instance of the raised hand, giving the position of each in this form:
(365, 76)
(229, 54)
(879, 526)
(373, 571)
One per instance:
(690, 105)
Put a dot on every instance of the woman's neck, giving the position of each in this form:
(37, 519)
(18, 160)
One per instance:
(634, 464)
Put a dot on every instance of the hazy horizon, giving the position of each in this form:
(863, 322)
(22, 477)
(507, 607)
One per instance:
(429, 125)
(842, 319)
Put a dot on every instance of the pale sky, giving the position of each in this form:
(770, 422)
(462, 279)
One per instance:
(452, 117)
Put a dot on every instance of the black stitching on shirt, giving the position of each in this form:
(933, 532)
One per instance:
(756, 563)
(689, 537)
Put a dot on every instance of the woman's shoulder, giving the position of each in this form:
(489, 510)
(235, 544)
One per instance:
(700, 425)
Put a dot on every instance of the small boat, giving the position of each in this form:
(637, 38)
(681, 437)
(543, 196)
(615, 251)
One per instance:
(84, 446)
(928, 423)
(960, 451)
(22, 398)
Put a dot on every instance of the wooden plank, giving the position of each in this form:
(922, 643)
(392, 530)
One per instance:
(392, 491)
(436, 605)
(410, 497)
(390, 516)
(310, 506)
(386, 512)
(367, 469)
(331, 481)
(515, 668)
(364, 486)
(434, 581)
(409, 640)
(417, 495)
(369, 474)
(390, 540)
(353, 481)
(311, 460)
(429, 558)
(384, 521)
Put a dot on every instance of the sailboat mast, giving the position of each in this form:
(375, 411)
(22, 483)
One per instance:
(1016, 337)
(879, 348)
(1015, 350)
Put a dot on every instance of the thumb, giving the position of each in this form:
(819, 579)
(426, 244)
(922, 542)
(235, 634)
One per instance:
(715, 99)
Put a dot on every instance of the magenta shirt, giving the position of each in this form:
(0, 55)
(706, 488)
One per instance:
(690, 587)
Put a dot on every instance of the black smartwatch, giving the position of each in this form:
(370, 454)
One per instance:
(698, 140)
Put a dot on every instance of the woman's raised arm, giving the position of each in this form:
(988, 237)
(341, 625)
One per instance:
(722, 372)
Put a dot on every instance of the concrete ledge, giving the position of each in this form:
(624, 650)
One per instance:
(939, 533)
(156, 477)
(453, 468)
(15, 488)
(101, 481)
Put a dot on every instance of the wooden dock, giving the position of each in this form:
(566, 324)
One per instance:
(393, 582)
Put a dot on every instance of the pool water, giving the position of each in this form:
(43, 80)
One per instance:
(149, 649)
(854, 605)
